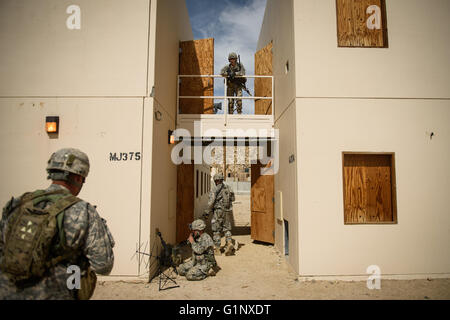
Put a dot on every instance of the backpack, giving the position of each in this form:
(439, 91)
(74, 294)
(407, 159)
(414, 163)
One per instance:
(32, 235)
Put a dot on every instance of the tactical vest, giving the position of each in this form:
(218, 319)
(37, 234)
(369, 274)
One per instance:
(237, 81)
(35, 239)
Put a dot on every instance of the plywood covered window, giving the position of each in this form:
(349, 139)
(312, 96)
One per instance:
(369, 188)
(361, 23)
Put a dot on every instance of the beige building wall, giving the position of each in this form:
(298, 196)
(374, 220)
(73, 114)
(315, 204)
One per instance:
(97, 80)
(113, 186)
(418, 243)
(41, 56)
(278, 27)
(172, 26)
(365, 100)
(374, 100)
(414, 66)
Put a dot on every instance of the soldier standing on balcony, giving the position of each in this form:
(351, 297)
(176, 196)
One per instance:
(234, 85)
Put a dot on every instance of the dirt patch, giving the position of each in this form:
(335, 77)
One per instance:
(259, 272)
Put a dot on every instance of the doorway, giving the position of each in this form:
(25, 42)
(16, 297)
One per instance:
(253, 208)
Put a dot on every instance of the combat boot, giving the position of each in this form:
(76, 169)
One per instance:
(229, 250)
(213, 271)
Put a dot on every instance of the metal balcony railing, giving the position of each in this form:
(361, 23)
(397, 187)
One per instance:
(224, 97)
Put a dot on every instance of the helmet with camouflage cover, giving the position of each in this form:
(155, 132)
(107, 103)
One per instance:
(232, 55)
(66, 161)
(218, 176)
(199, 225)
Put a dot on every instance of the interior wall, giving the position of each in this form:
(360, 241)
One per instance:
(171, 26)
(286, 183)
(201, 202)
(278, 27)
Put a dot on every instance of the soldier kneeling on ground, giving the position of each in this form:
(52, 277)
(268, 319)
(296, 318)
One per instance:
(203, 263)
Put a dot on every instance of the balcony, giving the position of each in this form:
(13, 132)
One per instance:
(203, 117)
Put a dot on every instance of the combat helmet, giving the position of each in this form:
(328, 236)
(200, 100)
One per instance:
(66, 161)
(199, 225)
(232, 55)
(218, 176)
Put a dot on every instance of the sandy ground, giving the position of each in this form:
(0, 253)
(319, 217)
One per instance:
(259, 272)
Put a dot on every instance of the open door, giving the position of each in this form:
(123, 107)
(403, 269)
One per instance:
(263, 86)
(197, 58)
(185, 200)
(262, 205)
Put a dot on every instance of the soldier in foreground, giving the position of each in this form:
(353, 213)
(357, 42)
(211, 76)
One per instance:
(203, 262)
(47, 235)
(234, 85)
(220, 203)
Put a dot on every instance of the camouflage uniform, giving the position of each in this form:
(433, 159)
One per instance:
(85, 232)
(202, 259)
(222, 207)
(234, 88)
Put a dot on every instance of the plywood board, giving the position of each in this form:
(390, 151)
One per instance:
(361, 23)
(185, 200)
(262, 205)
(263, 86)
(369, 193)
(197, 58)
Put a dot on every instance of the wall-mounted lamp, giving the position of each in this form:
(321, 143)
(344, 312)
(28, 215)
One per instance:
(52, 124)
(171, 137)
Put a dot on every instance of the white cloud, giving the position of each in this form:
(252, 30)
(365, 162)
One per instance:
(239, 31)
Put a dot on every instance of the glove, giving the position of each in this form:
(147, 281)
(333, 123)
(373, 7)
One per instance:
(231, 74)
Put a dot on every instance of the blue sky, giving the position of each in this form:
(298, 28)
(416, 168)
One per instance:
(234, 25)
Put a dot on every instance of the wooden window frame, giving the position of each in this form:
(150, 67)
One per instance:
(393, 188)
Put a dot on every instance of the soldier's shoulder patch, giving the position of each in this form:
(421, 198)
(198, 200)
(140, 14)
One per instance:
(78, 211)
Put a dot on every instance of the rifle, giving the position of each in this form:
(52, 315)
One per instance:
(168, 257)
(241, 80)
(165, 257)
